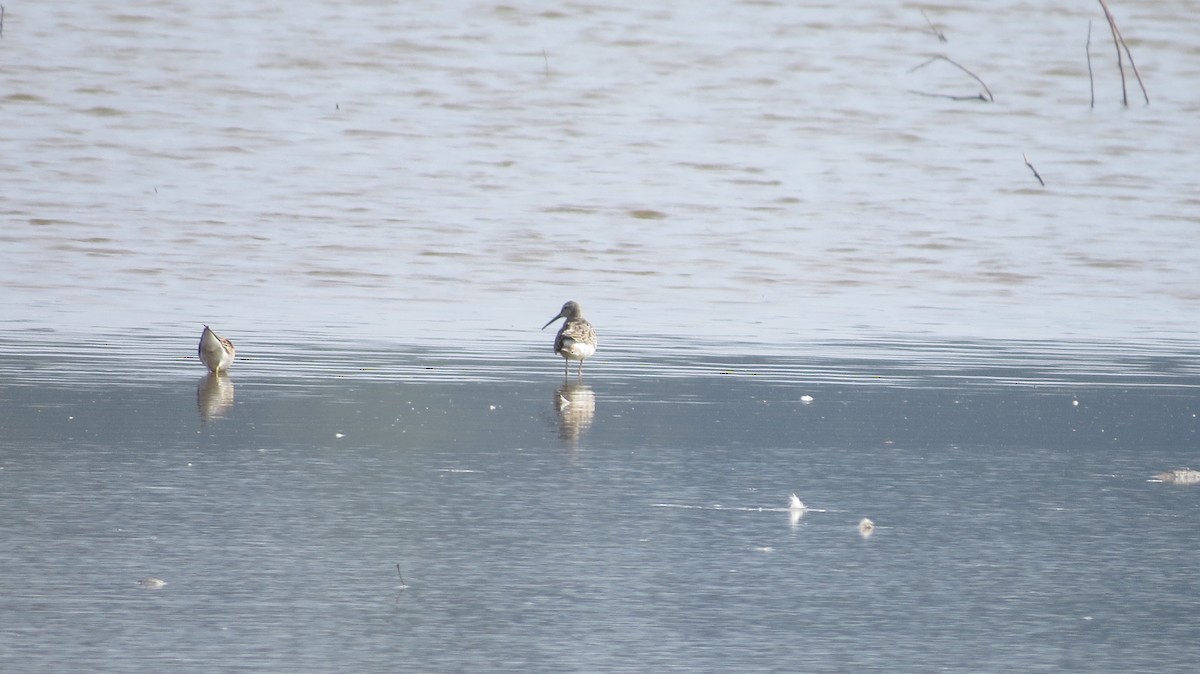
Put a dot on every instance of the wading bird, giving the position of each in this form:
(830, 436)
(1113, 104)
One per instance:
(576, 340)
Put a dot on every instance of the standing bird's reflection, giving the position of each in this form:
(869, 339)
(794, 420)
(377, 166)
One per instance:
(796, 509)
(214, 396)
(576, 340)
(576, 405)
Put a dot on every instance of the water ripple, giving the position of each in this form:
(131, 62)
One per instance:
(41, 358)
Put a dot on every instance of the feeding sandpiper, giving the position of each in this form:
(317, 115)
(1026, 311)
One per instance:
(215, 351)
(576, 340)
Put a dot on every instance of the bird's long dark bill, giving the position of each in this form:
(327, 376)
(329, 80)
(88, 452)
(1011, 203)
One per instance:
(551, 321)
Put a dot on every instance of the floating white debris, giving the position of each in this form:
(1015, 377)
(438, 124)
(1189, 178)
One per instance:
(339, 435)
(866, 527)
(765, 548)
(152, 583)
(1179, 476)
(794, 503)
(806, 399)
(1075, 403)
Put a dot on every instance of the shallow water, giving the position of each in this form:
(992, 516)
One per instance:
(754, 202)
(643, 526)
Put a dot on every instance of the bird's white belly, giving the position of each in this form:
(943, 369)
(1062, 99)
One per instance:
(573, 350)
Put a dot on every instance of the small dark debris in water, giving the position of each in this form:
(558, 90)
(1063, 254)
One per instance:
(1035, 173)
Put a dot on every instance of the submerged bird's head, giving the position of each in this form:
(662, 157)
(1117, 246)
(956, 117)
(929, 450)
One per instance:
(569, 311)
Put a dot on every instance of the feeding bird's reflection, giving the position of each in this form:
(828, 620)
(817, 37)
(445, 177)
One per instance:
(214, 396)
(576, 405)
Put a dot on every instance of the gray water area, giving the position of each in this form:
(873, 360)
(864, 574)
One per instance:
(740, 170)
(634, 520)
(756, 203)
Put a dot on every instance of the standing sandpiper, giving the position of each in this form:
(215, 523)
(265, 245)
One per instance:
(576, 340)
(215, 351)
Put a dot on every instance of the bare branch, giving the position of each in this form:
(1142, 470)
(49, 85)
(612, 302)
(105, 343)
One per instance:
(952, 62)
(1091, 80)
(1035, 173)
(976, 97)
(940, 35)
(1120, 60)
(1119, 43)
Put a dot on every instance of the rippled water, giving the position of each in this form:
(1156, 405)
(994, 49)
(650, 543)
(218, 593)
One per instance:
(745, 170)
(807, 275)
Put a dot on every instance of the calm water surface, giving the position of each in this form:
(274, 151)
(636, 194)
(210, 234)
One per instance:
(754, 202)
(642, 526)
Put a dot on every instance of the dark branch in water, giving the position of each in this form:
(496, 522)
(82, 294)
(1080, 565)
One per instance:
(1119, 43)
(1035, 173)
(976, 97)
(1, 20)
(1091, 80)
(1120, 63)
(954, 63)
(940, 35)
(402, 583)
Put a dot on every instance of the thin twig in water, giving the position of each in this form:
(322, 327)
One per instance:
(952, 62)
(1035, 173)
(1091, 80)
(546, 60)
(402, 583)
(1119, 42)
(976, 97)
(1, 20)
(1120, 61)
(940, 36)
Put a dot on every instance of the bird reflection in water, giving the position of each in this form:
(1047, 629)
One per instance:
(796, 510)
(576, 405)
(214, 396)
